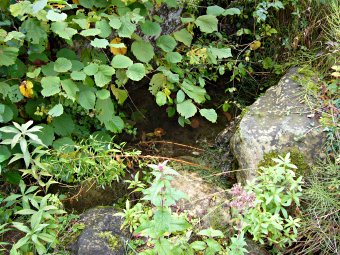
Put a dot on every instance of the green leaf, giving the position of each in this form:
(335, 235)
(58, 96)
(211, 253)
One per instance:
(210, 232)
(48, 70)
(64, 144)
(78, 75)
(157, 82)
(105, 110)
(21, 8)
(50, 85)
(232, 11)
(187, 109)
(91, 69)
(61, 28)
(56, 111)
(209, 114)
(5, 89)
(194, 92)
(180, 96)
(62, 65)
(215, 10)
(34, 30)
(136, 72)
(173, 57)
(221, 53)
(142, 50)
(87, 99)
(160, 98)
(115, 22)
(6, 113)
(55, 16)
(166, 43)
(104, 27)
(198, 245)
(207, 23)
(38, 6)
(103, 94)
(8, 55)
(115, 125)
(90, 32)
(121, 61)
(100, 43)
(63, 125)
(83, 23)
(104, 75)
(46, 135)
(151, 28)
(120, 94)
(127, 28)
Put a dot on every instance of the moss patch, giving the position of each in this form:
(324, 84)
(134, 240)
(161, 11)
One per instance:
(296, 157)
(112, 240)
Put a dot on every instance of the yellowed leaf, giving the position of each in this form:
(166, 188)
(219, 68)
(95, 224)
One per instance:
(26, 89)
(255, 45)
(117, 51)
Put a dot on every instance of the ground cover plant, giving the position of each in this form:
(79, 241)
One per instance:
(67, 69)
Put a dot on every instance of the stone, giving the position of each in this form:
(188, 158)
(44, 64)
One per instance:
(102, 234)
(207, 202)
(278, 120)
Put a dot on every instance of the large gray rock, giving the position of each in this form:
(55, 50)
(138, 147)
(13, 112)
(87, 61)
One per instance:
(102, 234)
(278, 120)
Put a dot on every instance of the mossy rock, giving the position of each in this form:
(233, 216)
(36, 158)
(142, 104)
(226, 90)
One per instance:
(296, 158)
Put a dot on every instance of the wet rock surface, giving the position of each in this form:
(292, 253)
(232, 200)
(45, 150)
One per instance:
(280, 119)
(102, 234)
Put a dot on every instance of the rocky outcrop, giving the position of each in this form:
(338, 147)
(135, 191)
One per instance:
(102, 234)
(278, 120)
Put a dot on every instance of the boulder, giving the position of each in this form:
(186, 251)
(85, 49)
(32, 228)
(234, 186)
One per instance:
(102, 234)
(207, 202)
(278, 120)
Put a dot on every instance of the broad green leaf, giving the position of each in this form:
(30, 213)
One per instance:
(83, 23)
(194, 92)
(100, 43)
(34, 74)
(61, 28)
(87, 99)
(78, 75)
(221, 53)
(207, 23)
(48, 70)
(76, 65)
(180, 96)
(158, 81)
(8, 55)
(173, 57)
(56, 111)
(55, 16)
(46, 135)
(121, 61)
(210, 232)
(105, 110)
(90, 32)
(21, 8)
(166, 43)
(115, 22)
(38, 5)
(198, 245)
(91, 69)
(64, 144)
(184, 37)
(120, 94)
(5, 89)
(103, 94)
(115, 125)
(209, 114)
(215, 10)
(142, 50)
(50, 85)
(161, 98)
(136, 72)
(63, 125)
(232, 11)
(151, 28)
(187, 109)
(62, 65)
(127, 28)
(104, 27)
(5, 153)
(6, 113)
(104, 75)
